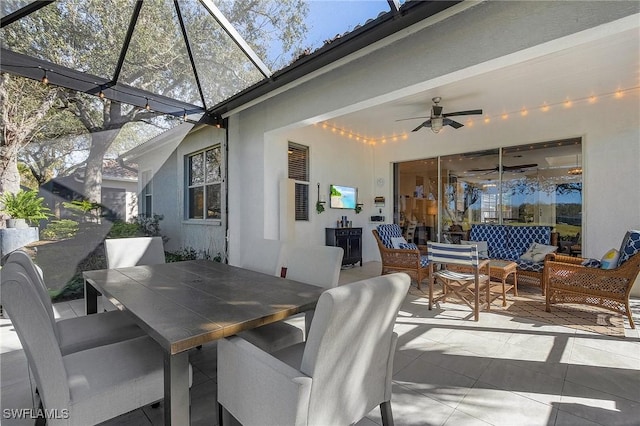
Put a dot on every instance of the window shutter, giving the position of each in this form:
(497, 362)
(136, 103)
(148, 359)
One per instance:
(299, 172)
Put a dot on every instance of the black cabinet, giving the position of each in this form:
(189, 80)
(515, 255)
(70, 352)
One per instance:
(350, 239)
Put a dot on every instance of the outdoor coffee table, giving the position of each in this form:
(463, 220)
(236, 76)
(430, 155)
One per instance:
(500, 270)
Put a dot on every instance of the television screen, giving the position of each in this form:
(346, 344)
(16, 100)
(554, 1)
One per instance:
(343, 197)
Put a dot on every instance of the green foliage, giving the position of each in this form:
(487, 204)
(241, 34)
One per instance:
(189, 253)
(60, 230)
(85, 210)
(73, 290)
(25, 205)
(121, 229)
(149, 226)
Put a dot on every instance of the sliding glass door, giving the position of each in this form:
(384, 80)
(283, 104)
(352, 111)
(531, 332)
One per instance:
(532, 184)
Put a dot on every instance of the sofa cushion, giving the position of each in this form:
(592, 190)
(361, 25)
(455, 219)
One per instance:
(494, 235)
(630, 246)
(504, 254)
(520, 238)
(529, 265)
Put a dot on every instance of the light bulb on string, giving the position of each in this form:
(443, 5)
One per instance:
(147, 106)
(45, 79)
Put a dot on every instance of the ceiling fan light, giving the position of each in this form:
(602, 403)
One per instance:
(436, 124)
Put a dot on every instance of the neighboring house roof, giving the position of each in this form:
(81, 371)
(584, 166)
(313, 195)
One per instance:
(171, 137)
(111, 171)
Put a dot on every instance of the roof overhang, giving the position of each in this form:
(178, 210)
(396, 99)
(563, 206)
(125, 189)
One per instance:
(385, 25)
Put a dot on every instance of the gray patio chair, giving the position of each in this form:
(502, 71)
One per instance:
(338, 376)
(317, 265)
(262, 255)
(125, 252)
(85, 387)
(80, 333)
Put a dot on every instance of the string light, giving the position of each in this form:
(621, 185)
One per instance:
(113, 89)
(524, 112)
(184, 116)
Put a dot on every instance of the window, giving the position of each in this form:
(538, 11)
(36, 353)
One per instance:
(147, 194)
(204, 184)
(299, 172)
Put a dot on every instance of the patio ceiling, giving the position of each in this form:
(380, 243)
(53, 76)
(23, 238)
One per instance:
(594, 73)
(216, 62)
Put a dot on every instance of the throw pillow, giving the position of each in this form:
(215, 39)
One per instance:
(483, 247)
(396, 241)
(537, 252)
(610, 259)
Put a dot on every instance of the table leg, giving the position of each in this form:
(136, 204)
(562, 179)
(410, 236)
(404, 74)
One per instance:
(504, 291)
(90, 298)
(515, 283)
(176, 389)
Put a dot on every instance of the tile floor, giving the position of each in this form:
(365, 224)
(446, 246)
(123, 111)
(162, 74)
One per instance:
(449, 370)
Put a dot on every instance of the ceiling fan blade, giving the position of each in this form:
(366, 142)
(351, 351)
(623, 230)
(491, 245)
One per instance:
(411, 118)
(470, 112)
(450, 122)
(424, 124)
(519, 167)
(436, 111)
(495, 169)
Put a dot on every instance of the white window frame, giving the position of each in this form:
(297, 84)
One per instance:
(204, 185)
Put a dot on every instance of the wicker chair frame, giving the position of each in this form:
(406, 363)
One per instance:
(567, 281)
(402, 260)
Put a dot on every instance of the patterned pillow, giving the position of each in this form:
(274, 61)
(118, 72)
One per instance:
(630, 246)
(537, 252)
(398, 242)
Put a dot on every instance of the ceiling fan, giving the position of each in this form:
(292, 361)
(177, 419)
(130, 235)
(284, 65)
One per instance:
(437, 119)
(520, 168)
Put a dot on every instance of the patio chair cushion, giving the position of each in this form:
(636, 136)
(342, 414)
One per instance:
(630, 246)
(77, 334)
(388, 231)
(126, 375)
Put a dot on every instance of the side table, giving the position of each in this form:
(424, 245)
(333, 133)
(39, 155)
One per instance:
(500, 270)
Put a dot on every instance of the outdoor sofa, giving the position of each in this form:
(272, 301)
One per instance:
(509, 242)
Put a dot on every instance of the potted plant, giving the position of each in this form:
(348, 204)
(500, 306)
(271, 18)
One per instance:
(24, 207)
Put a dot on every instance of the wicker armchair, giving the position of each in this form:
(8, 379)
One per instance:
(568, 281)
(410, 261)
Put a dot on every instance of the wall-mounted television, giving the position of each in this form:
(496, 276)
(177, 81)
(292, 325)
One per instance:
(343, 197)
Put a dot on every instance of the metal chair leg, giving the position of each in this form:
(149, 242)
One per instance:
(387, 415)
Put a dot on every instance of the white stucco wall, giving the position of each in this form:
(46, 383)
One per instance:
(486, 37)
(167, 165)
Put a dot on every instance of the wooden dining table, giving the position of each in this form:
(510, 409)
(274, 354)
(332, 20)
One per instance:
(183, 305)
